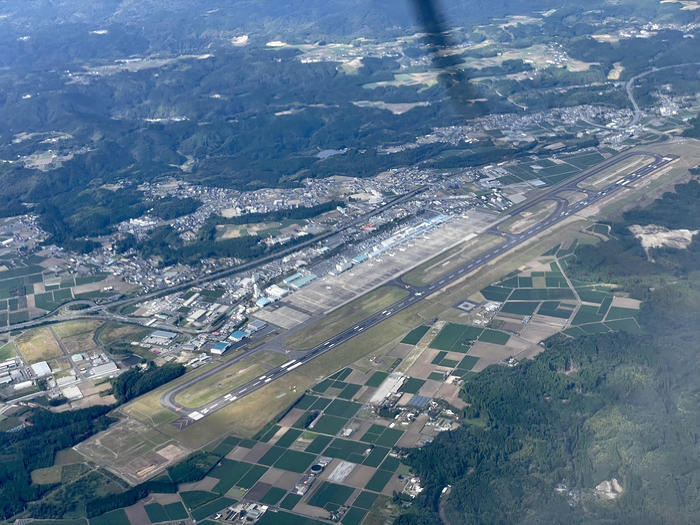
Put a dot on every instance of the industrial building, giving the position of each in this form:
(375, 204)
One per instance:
(302, 281)
(276, 292)
(237, 336)
(291, 278)
(161, 337)
(41, 369)
(255, 326)
(220, 348)
(263, 301)
(106, 369)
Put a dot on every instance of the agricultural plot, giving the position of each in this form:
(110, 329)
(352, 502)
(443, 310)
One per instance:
(415, 335)
(389, 437)
(353, 516)
(267, 473)
(379, 480)
(520, 307)
(322, 386)
(365, 499)
(624, 325)
(554, 309)
(301, 423)
(384, 436)
(212, 507)
(290, 501)
(226, 446)
(271, 456)
(594, 328)
(277, 518)
(51, 292)
(330, 493)
(347, 450)
(158, 513)
(456, 338)
(116, 517)
(496, 293)
(251, 477)
(412, 385)
(288, 438)
(587, 314)
(321, 403)
(318, 444)
(197, 498)
(18, 317)
(590, 295)
(541, 294)
(621, 313)
(376, 379)
(468, 362)
(267, 436)
(228, 472)
(330, 425)
(295, 461)
(438, 358)
(349, 391)
(494, 336)
(342, 408)
(305, 401)
(273, 496)
(376, 456)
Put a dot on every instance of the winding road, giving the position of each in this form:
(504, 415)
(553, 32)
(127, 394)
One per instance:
(629, 87)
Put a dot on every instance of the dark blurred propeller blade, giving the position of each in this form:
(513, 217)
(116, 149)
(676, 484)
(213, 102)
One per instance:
(440, 45)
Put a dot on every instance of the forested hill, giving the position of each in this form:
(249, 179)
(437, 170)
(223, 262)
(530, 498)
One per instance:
(540, 437)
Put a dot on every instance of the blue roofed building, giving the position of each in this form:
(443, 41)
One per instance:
(220, 348)
(238, 335)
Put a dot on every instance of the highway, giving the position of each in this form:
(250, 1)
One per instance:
(563, 210)
(91, 307)
(629, 87)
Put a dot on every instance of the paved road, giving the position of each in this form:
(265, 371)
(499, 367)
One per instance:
(562, 211)
(629, 87)
(92, 307)
(66, 353)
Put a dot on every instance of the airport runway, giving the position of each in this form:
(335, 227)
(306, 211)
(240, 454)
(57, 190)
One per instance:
(562, 211)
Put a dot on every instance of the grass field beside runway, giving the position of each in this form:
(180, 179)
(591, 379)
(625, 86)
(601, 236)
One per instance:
(231, 377)
(346, 316)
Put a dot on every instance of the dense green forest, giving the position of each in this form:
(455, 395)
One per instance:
(135, 381)
(36, 445)
(694, 130)
(252, 116)
(165, 244)
(170, 208)
(623, 255)
(302, 212)
(539, 437)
